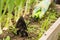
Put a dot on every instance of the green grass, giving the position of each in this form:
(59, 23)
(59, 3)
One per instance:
(7, 38)
(47, 20)
(17, 7)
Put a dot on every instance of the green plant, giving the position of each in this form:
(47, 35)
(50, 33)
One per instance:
(23, 7)
(1, 8)
(16, 6)
(7, 38)
(45, 25)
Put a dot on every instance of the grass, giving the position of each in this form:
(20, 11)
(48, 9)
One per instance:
(7, 38)
(13, 9)
(45, 25)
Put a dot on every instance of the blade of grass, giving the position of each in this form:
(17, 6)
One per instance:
(10, 6)
(29, 3)
(20, 8)
(1, 6)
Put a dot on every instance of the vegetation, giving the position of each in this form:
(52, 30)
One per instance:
(7, 38)
(11, 10)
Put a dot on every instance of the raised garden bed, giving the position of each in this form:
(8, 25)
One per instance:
(35, 27)
(53, 32)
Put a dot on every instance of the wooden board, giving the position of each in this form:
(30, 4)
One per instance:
(52, 32)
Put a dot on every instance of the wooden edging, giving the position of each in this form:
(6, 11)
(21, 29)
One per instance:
(52, 32)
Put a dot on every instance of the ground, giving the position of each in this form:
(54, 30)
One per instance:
(31, 34)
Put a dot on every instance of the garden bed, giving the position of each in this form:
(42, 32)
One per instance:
(33, 30)
(35, 27)
(53, 32)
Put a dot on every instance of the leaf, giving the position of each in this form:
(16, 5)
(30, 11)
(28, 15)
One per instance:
(17, 2)
(10, 5)
(7, 38)
(1, 6)
(36, 15)
(21, 5)
(45, 23)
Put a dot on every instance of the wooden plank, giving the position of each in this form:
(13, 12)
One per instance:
(57, 7)
(52, 32)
